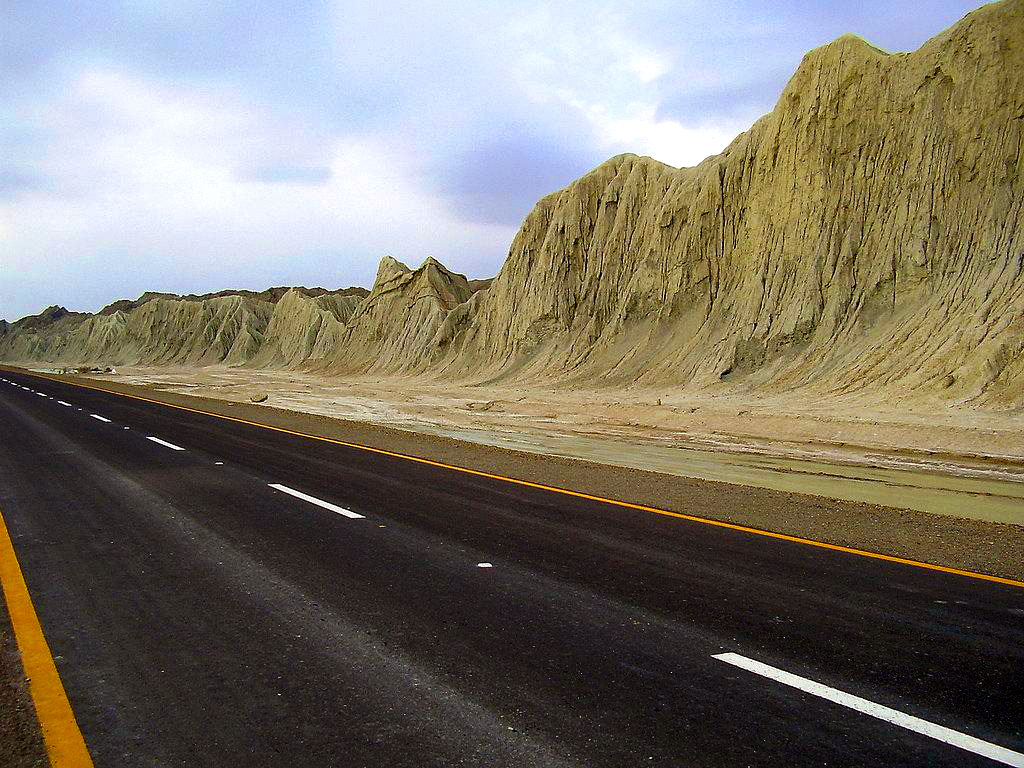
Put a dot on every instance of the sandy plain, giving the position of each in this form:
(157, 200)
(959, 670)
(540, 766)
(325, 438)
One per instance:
(952, 461)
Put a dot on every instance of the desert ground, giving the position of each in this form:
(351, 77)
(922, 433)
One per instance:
(959, 462)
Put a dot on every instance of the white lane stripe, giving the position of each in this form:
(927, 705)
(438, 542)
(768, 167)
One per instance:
(924, 727)
(100, 418)
(41, 394)
(63, 403)
(164, 443)
(314, 500)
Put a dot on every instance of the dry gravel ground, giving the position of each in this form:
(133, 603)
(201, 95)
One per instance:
(843, 428)
(957, 461)
(21, 743)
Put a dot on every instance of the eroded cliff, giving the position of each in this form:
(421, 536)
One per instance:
(866, 235)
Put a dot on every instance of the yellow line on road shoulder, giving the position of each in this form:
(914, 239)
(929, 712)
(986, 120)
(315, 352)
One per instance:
(61, 735)
(555, 489)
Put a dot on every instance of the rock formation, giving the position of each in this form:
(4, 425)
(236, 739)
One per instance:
(305, 328)
(394, 329)
(866, 235)
(161, 329)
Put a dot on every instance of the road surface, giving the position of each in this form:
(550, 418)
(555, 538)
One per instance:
(216, 593)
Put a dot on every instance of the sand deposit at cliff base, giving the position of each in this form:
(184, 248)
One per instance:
(965, 463)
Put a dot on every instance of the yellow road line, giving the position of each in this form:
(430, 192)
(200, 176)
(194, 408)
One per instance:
(61, 735)
(563, 491)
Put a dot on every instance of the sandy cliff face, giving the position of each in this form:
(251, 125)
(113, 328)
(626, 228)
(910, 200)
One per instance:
(160, 329)
(395, 328)
(865, 235)
(30, 337)
(304, 329)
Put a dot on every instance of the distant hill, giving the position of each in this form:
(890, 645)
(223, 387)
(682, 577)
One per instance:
(272, 295)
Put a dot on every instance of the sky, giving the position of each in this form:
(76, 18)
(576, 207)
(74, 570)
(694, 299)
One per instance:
(200, 145)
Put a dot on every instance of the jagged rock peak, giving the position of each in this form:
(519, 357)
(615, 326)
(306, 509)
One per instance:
(388, 269)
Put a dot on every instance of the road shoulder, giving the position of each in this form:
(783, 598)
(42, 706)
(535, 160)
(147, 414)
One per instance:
(20, 734)
(992, 548)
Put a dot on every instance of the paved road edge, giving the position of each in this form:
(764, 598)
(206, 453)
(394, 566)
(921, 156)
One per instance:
(562, 491)
(62, 737)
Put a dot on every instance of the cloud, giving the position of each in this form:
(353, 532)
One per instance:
(738, 102)
(499, 180)
(14, 182)
(197, 145)
(667, 140)
(280, 174)
(151, 197)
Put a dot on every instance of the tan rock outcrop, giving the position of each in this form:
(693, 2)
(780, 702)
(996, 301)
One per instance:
(158, 329)
(394, 329)
(866, 235)
(304, 329)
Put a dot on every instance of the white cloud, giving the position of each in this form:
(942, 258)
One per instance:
(193, 146)
(149, 196)
(636, 128)
(610, 76)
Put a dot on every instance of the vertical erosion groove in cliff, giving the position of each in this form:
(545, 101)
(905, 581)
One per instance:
(863, 236)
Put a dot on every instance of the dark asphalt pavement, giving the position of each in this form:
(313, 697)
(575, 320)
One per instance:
(199, 617)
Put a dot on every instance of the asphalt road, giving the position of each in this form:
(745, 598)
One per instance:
(199, 616)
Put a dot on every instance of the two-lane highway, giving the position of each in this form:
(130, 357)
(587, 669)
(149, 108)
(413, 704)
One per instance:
(217, 593)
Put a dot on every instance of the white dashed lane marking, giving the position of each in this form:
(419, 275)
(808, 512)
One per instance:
(315, 500)
(164, 443)
(865, 707)
(100, 418)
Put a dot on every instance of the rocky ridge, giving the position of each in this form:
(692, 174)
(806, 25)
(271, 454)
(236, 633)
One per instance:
(866, 235)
